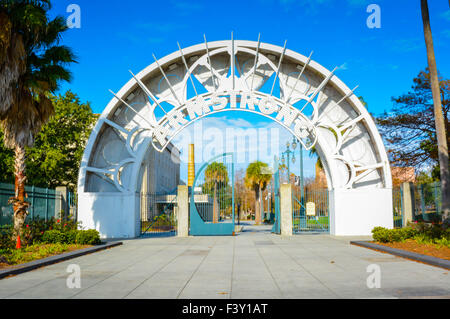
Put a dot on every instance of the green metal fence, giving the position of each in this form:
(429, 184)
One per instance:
(428, 202)
(45, 203)
(312, 212)
(397, 200)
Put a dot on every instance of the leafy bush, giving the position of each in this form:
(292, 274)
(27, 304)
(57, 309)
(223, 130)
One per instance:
(384, 235)
(88, 237)
(71, 236)
(432, 231)
(162, 220)
(53, 237)
(6, 241)
(424, 233)
(34, 230)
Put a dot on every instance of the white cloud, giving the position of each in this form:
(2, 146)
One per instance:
(343, 66)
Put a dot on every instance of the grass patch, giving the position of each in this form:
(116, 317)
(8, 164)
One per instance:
(12, 257)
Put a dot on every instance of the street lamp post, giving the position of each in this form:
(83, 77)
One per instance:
(288, 153)
(301, 179)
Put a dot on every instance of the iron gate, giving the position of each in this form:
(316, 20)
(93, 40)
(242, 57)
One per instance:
(212, 198)
(310, 213)
(158, 214)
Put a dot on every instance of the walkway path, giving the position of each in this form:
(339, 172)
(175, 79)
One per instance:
(254, 264)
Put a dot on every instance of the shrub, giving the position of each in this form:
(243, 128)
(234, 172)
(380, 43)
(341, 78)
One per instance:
(380, 234)
(423, 233)
(88, 237)
(6, 241)
(71, 236)
(384, 235)
(34, 230)
(53, 237)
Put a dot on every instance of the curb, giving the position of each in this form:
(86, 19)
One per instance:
(19, 269)
(434, 261)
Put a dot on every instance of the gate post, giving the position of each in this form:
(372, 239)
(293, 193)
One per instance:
(286, 209)
(183, 211)
(61, 203)
(408, 203)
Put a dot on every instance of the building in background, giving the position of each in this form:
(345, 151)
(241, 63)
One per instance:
(402, 175)
(160, 177)
(160, 172)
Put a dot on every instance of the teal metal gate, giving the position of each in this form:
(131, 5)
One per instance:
(276, 228)
(212, 198)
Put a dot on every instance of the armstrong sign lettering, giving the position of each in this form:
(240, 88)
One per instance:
(254, 102)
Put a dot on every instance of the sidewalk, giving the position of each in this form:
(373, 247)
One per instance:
(254, 264)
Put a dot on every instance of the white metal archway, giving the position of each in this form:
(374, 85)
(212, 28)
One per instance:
(307, 99)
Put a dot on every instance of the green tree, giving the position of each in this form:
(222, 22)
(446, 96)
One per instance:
(216, 175)
(32, 64)
(257, 177)
(409, 130)
(56, 156)
(6, 162)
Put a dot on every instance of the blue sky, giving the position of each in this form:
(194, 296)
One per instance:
(116, 36)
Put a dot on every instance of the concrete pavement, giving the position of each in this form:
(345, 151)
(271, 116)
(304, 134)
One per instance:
(254, 264)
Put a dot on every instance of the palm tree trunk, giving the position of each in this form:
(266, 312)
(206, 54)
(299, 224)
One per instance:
(19, 204)
(215, 217)
(438, 116)
(257, 207)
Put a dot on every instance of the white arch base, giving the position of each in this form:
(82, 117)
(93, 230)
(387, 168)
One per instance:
(357, 212)
(305, 98)
(113, 215)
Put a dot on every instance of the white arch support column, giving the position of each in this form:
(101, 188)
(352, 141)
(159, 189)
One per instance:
(306, 99)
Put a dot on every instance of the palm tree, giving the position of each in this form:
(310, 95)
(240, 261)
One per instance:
(32, 64)
(216, 173)
(257, 177)
(438, 116)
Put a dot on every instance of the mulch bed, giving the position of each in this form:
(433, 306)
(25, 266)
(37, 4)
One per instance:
(424, 249)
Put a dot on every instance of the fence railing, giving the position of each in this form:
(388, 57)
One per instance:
(45, 203)
(397, 200)
(428, 202)
(417, 202)
(158, 214)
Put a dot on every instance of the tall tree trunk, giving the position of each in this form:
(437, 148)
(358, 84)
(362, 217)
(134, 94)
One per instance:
(19, 204)
(257, 207)
(438, 116)
(215, 214)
